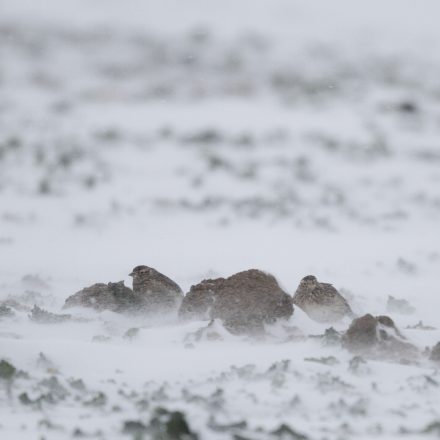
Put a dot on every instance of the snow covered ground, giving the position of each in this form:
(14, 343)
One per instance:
(203, 138)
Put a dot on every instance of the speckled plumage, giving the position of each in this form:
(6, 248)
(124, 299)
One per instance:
(321, 301)
(156, 291)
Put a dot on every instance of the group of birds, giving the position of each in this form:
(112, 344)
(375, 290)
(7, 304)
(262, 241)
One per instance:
(247, 299)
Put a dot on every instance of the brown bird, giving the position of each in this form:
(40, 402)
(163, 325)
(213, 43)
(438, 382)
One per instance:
(157, 292)
(321, 301)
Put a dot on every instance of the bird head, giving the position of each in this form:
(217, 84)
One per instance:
(310, 282)
(141, 271)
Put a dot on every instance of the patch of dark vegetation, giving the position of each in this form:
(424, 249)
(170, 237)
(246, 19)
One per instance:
(7, 370)
(44, 317)
(420, 326)
(53, 385)
(212, 332)
(432, 428)
(170, 425)
(6, 312)
(37, 402)
(435, 353)
(135, 428)
(204, 137)
(228, 427)
(357, 365)
(285, 432)
(131, 333)
(98, 400)
(330, 337)
(328, 360)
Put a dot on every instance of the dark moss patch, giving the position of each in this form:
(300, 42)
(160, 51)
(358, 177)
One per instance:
(7, 370)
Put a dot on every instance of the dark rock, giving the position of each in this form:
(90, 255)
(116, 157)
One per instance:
(377, 337)
(435, 353)
(112, 296)
(321, 301)
(248, 300)
(156, 292)
(198, 302)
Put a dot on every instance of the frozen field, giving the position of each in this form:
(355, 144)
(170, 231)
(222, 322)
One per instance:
(203, 138)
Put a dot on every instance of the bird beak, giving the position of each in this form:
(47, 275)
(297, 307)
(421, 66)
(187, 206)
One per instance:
(131, 274)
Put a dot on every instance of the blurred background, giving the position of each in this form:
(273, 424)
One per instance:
(202, 138)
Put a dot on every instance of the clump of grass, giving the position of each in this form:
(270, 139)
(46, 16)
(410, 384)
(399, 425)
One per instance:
(7, 370)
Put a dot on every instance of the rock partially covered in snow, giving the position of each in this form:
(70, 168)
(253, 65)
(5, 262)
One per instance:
(112, 296)
(377, 337)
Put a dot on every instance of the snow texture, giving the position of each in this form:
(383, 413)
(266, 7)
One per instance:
(204, 138)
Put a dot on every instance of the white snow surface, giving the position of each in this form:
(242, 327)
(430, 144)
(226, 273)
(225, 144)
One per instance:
(203, 138)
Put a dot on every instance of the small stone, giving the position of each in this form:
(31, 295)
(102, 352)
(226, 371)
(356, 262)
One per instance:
(7, 370)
